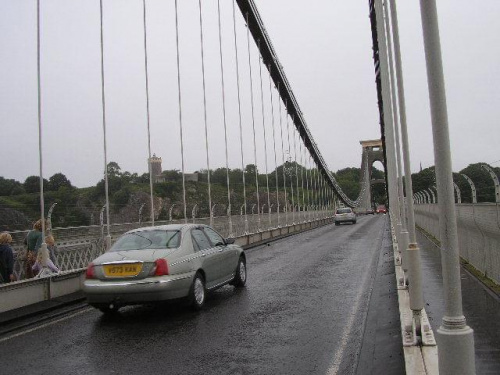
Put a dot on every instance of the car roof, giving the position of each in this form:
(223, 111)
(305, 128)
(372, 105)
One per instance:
(180, 227)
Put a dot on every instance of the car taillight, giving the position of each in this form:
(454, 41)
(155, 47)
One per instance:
(90, 273)
(161, 267)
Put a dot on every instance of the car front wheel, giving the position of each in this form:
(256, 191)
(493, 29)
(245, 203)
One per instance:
(240, 278)
(197, 293)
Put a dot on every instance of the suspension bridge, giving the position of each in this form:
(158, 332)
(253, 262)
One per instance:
(230, 105)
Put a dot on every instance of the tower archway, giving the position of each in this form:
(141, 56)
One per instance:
(372, 151)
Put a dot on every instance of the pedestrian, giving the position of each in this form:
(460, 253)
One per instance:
(33, 242)
(6, 259)
(51, 246)
(37, 267)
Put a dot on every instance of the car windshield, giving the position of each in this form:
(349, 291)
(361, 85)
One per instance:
(150, 239)
(344, 211)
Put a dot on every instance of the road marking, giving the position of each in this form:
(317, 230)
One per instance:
(334, 368)
(46, 324)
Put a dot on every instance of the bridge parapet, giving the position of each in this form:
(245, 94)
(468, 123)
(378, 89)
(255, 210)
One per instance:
(77, 246)
(478, 233)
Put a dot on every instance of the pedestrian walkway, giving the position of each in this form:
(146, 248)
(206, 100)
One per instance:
(481, 307)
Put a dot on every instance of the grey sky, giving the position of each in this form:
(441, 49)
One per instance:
(324, 46)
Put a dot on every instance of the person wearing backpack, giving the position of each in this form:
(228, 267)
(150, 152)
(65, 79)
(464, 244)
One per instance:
(33, 242)
(6, 259)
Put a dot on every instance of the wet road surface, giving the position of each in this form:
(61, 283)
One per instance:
(303, 311)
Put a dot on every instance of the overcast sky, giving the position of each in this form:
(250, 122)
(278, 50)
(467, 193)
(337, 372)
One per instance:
(324, 46)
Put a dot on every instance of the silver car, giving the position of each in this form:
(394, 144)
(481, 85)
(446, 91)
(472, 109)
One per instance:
(345, 215)
(162, 263)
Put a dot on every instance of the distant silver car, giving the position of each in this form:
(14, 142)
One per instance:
(162, 263)
(345, 215)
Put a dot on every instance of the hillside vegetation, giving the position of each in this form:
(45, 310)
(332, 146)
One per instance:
(128, 192)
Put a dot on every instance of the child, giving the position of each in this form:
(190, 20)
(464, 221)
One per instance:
(37, 267)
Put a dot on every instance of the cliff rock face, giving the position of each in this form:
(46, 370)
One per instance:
(132, 212)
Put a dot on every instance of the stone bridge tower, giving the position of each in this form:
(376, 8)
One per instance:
(372, 151)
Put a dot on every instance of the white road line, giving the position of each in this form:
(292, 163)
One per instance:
(334, 368)
(46, 324)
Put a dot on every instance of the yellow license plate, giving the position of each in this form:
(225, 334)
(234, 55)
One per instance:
(122, 270)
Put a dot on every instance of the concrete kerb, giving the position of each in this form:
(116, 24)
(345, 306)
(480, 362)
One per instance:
(419, 358)
(55, 292)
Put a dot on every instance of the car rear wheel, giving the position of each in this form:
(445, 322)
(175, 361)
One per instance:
(108, 309)
(197, 294)
(240, 278)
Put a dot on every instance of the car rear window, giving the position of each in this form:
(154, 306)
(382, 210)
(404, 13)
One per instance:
(344, 211)
(151, 239)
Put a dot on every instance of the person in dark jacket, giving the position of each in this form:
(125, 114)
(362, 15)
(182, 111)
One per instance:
(33, 243)
(6, 258)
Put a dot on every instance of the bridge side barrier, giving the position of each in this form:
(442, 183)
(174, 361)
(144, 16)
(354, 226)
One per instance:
(478, 233)
(26, 292)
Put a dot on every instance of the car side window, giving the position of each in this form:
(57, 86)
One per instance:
(215, 237)
(201, 241)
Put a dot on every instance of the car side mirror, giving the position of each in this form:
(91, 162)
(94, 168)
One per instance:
(229, 241)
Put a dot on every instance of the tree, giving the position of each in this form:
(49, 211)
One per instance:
(171, 175)
(9, 187)
(32, 184)
(121, 197)
(114, 169)
(58, 181)
(482, 180)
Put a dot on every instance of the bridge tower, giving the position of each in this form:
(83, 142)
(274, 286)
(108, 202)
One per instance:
(155, 167)
(372, 151)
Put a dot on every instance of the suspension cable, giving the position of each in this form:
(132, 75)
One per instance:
(205, 115)
(290, 158)
(296, 166)
(253, 124)
(283, 155)
(307, 182)
(180, 111)
(239, 119)
(39, 86)
(274, 145)
(303, 166)
(265, 137)
(103, 100)
(147, 112)
(225, 122)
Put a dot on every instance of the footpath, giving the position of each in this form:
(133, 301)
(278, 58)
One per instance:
(481, 307)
